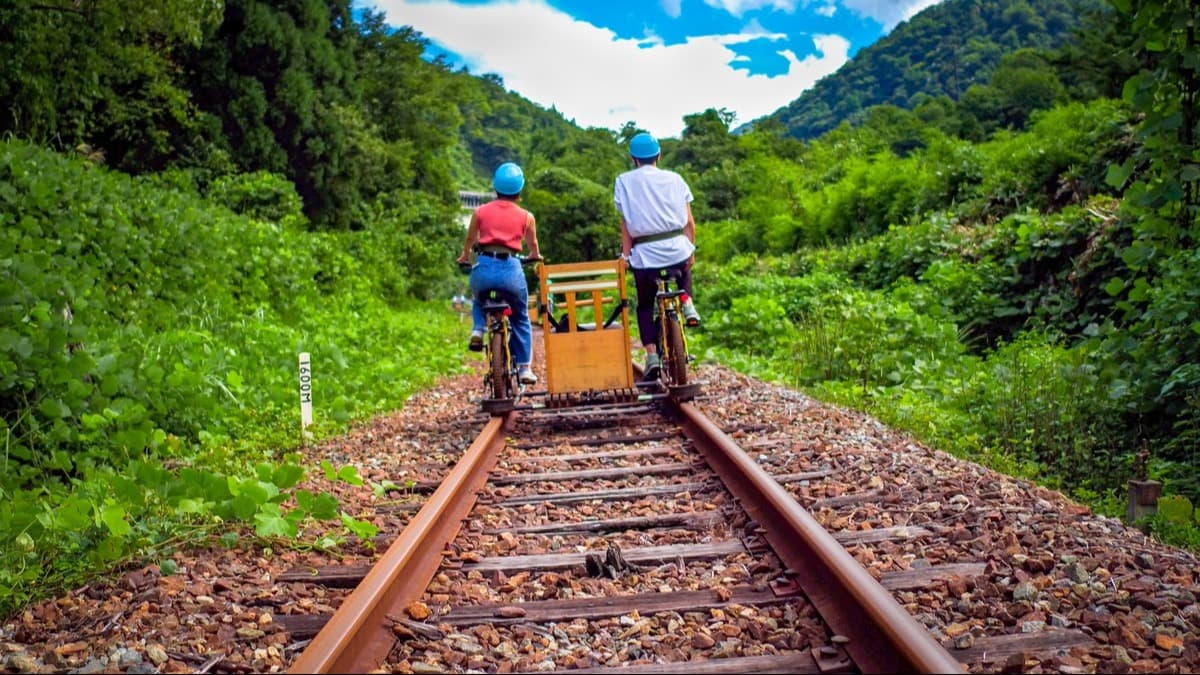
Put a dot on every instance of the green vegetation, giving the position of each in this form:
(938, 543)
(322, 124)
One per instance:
(973, 52)
(995, 251)
(1028, 298)
(148, 361)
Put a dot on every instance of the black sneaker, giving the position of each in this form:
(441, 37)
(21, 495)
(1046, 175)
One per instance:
(476, 343)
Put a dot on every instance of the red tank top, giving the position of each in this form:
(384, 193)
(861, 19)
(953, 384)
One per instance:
(501, 223)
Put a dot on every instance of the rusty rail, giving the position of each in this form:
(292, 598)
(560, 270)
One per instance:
(887, 638)
(357, 638)
(884, 637)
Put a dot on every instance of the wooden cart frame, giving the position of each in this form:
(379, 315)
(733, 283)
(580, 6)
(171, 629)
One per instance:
(589, 355)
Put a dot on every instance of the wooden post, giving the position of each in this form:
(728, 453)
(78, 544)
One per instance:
(1143, 499)
(306, 417)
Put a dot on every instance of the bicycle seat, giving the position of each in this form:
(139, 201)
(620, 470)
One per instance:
(489, 303)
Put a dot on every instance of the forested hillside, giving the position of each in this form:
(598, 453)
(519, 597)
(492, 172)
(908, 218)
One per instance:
(347, 110)
(960, 50)
(999, 257)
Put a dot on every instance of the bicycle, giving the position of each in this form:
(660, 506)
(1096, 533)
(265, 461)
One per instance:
(500, 382)
(672, 339)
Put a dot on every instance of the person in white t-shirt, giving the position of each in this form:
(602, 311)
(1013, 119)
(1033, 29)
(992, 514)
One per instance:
(657, 232)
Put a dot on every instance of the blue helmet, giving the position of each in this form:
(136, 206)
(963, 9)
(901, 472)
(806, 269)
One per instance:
(643, 146)
(509, 180)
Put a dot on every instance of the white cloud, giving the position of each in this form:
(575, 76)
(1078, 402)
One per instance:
(753, 27)
(739, 7)
(671, 8)
(888, 12)
(598, 79)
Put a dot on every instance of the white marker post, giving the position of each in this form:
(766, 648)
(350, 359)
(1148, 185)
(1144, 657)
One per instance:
(305, 394)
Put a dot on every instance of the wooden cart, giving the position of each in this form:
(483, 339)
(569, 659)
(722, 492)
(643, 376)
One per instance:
(585, 322)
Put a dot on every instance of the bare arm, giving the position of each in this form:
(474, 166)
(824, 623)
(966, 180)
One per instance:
(689, 231)
(469, 241)
(626, 239)
(531, 240)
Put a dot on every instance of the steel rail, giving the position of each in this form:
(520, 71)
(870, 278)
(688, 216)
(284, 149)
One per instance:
(357, 638)
(884, 637)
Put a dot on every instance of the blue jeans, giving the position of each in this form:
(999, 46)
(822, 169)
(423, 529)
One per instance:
(506, 277)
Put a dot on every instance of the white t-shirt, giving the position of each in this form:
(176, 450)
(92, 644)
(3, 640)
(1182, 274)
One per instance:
(654, 200)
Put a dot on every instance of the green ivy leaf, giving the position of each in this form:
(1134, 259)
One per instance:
(269, 522)
(323, 506)
(1118, 173)
(1175, 508)
(189, 505)
(362, 529)
(54, 408)
(287, 475)
(113, 517)
(349, 474)
(244, 507)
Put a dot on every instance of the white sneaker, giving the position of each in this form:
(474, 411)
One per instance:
(691, 317)
(525, 375)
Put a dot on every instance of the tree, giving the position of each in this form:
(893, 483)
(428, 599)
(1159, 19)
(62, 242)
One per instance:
(1161, 289)
(275, 74)
(706, 140)
(102, 74)
(411, 102)
(1025, 82)
(576, 218)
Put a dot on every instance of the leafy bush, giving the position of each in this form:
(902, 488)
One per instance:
(1049, 404)
(148, 352)
(262, 195)
(1062, 160)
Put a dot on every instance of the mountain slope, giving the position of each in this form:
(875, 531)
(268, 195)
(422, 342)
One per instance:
(941, 51)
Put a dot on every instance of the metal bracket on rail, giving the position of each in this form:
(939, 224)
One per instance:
(832, 659)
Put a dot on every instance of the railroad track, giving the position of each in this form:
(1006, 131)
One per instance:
(624, 535)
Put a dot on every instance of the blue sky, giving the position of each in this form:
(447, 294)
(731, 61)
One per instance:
(603, 63)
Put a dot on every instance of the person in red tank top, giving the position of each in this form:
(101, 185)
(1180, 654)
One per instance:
(497, 232)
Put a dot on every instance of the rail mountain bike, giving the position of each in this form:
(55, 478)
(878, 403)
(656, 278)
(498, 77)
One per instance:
(500, 383)
(672, 339)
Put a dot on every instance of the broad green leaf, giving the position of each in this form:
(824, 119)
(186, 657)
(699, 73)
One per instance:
(189, 505)
(269, 522)
(113, 517)
(362, 529)
(1175, 508)
(321, 506)
(327, 468)
(244, 507)
(349, 474)
(287, 475)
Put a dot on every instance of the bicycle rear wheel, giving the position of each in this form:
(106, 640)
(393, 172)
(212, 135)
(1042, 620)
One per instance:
(676, 362)
(497, 351)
